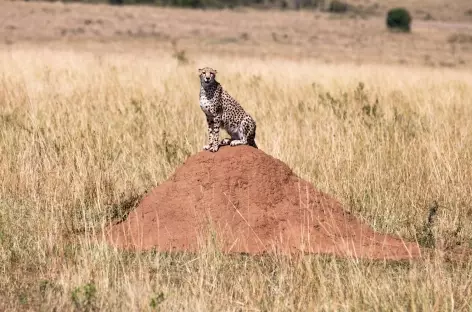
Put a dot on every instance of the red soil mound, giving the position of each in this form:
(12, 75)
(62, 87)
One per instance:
(255, 204)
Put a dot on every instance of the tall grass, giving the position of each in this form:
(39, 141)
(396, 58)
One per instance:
(83, 135)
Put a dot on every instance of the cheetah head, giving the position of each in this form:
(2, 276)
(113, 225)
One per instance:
(207, 76)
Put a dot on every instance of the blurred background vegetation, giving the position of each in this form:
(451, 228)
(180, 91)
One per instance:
(325, 5)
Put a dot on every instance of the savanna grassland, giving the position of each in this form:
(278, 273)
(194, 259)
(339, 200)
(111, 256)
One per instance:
(91, 121)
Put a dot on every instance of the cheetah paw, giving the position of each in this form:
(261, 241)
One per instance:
(225, 142)
(237, 142)
(213, 148)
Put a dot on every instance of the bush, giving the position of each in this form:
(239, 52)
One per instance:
(188, 3)
(399, 19)
(337, 6)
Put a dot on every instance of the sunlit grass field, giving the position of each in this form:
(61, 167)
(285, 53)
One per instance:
(83, 135)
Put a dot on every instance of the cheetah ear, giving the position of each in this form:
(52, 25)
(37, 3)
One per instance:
(200, 70)
(215, 71)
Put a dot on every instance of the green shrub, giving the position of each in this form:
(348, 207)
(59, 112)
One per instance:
(399, 19)
(84, 297)
(337, 6)
(188, 3)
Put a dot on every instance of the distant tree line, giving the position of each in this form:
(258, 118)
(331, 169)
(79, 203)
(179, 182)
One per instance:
(398, 19)
(336, 6)
(226, 3)
(288, 4)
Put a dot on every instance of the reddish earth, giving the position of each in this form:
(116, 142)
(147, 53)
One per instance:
(255, 204)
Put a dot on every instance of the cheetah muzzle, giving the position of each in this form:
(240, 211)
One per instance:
(223, 111)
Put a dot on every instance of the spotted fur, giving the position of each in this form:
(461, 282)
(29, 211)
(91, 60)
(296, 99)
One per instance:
(223, 111)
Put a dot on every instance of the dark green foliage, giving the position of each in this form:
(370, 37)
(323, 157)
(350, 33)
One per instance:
(187, 3)
(183, 3)
(308, 4)
(337, 6)
(84, 297)
(216, 4)
(399, 19)
(156, 301)
(283, 4)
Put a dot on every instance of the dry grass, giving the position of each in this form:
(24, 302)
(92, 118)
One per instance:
(82, 135)
(87, 126)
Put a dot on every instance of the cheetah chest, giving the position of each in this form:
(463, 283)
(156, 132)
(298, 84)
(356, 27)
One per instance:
(207, 106)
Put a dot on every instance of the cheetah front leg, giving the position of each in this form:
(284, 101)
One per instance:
(213, 134)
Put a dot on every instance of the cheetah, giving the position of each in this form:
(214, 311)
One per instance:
(223, 111)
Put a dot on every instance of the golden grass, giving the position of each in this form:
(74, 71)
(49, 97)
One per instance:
(83, 134)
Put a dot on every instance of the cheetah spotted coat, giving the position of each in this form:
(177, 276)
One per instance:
(223, 111)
